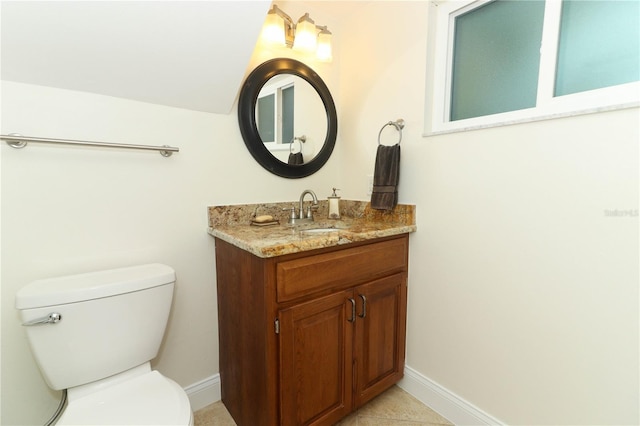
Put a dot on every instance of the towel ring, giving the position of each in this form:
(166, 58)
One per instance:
(302, 139)
(398, 124)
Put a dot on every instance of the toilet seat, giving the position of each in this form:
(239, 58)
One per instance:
(148, 399)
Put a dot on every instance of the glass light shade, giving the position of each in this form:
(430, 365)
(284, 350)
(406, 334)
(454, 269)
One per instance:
(273, 29)
(306, 34)
(323, 51)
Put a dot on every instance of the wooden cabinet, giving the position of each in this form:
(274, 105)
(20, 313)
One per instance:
(339, 351)
(307, 338)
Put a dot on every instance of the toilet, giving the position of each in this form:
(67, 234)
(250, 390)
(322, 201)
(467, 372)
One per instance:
(95, 334)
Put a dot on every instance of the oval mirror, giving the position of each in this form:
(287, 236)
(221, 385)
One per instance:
(287, 118)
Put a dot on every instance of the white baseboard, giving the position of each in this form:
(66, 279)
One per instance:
(204, 392)
(446, 403)
(443, 401)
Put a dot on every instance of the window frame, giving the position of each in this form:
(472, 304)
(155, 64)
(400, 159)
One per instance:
(441, 29)
(275, 87)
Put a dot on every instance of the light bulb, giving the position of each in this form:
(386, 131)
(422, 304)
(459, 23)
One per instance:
(323, 51)
(273, 28)
(306, 34)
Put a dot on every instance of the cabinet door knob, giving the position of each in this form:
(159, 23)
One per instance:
(353, 310)
(364, 306)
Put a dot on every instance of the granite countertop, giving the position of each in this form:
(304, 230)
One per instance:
(359, 222)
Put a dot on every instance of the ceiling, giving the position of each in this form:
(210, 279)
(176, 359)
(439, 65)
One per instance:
(185, 54)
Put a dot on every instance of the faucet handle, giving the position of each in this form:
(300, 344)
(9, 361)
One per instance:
(292, 213)
(310, 210)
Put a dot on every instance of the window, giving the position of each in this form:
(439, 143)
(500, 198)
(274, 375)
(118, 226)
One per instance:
(266, 117)
(504, 61)
(288, 111)
(275, 112)
(598, 45)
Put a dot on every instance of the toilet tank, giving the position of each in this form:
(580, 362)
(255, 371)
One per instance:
(111, 321)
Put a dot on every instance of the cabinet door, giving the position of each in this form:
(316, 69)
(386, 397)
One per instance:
(380, 336)
(316, 340)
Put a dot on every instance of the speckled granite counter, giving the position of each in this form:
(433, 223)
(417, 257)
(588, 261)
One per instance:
(359, 222)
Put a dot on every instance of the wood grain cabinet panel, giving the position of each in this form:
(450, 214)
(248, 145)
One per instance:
(315, 360)
(307, 338)
(380, 336)
(343, 268)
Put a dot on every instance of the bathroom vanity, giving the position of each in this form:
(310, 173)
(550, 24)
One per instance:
(311, 324)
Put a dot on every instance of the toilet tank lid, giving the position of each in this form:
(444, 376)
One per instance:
(93, 285)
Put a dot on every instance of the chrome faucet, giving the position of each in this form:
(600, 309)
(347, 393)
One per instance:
(301, 217)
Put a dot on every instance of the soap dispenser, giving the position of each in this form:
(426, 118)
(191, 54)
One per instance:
(334, 205)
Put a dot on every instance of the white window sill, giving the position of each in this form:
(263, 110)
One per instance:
(487, 125)
(272, 146)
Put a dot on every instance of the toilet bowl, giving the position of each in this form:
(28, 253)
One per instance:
(145, 398)
(95, 334)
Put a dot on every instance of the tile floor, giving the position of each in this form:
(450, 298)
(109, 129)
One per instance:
(394, 407)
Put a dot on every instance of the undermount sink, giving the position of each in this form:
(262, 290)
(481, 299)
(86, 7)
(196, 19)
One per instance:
(320, 230)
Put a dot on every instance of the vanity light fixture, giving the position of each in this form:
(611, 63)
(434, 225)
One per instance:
(305, 36)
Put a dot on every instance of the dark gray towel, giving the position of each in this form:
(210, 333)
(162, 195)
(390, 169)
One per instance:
(296, 159)
(386, 177)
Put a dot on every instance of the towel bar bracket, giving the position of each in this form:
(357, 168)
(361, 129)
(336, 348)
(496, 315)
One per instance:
(16, 143)
(164, 152)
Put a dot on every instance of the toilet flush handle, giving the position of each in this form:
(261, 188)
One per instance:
(52, 318)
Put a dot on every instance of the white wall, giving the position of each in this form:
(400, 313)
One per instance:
(74, 209)
(523, 294)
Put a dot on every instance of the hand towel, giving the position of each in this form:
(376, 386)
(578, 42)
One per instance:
(296, 159)
(385, 177)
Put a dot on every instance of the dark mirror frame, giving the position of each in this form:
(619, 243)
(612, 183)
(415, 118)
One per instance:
(247, 118)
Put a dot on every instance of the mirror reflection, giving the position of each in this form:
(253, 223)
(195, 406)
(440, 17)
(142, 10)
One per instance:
(296, 116)
(291, 119)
